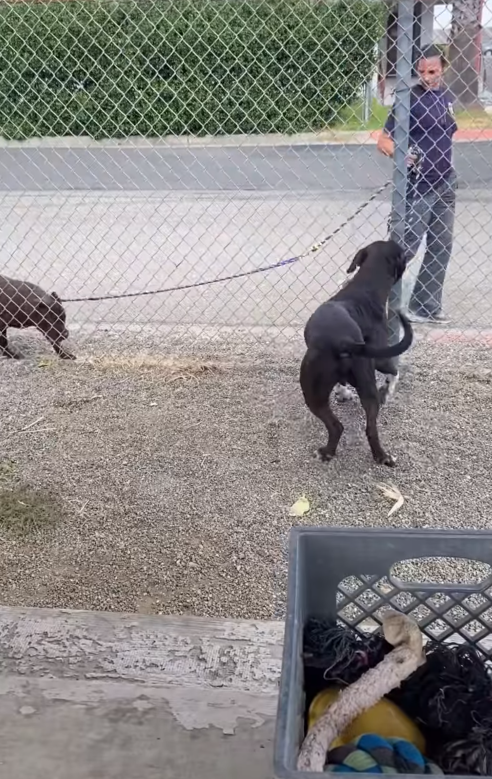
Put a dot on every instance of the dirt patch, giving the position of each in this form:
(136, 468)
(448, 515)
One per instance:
(174, 479)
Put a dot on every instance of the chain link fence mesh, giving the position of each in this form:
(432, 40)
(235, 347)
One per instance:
(155, 146)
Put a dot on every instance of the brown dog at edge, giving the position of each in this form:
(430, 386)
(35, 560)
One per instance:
(26, 305)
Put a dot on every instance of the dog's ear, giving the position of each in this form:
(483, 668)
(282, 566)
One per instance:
(45, 303)
(49, 302)
(359, 258)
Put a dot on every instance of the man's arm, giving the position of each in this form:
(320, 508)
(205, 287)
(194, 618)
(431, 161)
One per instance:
(386, 144)
(385, 141)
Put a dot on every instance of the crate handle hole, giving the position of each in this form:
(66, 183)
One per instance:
(441, 573)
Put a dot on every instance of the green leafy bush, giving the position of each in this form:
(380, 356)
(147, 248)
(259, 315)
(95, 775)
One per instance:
(115, 69)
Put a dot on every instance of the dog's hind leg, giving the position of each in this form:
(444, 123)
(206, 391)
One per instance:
(333, 426)
(316, 388)
(370, 399)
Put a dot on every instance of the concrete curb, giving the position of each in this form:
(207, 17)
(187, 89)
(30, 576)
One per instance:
(190, 141)
(453, 335)
(324, 138)
(206, 653)
(128, 695)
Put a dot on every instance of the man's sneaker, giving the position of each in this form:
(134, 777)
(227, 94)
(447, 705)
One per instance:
(431, 319)
(440, 319)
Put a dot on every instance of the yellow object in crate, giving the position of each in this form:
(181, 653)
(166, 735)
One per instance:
(384, 719)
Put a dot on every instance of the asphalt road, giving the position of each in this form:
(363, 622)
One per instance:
(85, 244)
(101, 221)
(210, 169)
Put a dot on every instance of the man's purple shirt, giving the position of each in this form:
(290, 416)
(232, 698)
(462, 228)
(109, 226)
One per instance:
(432, 126)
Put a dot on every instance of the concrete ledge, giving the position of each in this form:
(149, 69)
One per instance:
(324, 137)
(131, 696)
(191, 141)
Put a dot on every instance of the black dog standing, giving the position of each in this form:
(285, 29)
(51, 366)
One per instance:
(347, 341)
(27, 305)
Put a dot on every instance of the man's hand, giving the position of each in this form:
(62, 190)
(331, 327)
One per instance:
(385, 144)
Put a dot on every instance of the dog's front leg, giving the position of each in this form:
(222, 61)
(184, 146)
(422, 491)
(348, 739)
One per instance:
(387, 390)
(62, 353)
(391, 379)
(5, 350)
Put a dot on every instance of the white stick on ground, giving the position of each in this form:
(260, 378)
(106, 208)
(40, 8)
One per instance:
(404, 634)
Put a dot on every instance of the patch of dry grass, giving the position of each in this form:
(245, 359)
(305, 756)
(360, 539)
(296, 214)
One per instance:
(7, 472)
(474, 120)
(170, 368)
(24, 511)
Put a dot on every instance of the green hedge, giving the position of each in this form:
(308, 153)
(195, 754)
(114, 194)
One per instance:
(115, 69)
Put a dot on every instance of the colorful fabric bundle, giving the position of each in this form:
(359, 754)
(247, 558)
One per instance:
(372, 754)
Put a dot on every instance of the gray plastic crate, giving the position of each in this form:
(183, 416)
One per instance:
(344, 574)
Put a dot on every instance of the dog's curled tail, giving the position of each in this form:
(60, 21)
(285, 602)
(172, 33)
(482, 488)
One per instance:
(363, 350)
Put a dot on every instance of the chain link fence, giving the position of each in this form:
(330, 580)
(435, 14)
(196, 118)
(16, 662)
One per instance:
(156, 157)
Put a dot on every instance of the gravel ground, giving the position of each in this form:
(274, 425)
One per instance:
(170, 482)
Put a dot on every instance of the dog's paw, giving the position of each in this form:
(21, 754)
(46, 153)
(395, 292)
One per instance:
(323, 455)
(63, 355)
(344, 394)
(386, 459)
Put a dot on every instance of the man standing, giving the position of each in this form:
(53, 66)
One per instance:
(431, 191)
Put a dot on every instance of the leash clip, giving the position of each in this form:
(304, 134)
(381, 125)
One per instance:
(415, 167)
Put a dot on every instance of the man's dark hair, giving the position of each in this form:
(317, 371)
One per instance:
(432, 51)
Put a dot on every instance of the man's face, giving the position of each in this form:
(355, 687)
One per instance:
(430, 72)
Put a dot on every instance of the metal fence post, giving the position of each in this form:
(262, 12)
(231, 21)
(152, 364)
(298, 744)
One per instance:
(367, 102)
(404, 44)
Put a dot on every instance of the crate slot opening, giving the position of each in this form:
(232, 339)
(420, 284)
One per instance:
(442, 571)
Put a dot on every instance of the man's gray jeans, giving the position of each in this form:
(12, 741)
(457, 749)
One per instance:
(430, 215)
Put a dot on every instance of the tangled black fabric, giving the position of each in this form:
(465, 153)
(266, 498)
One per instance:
(336, 654)
(342, 653)
(471, 755)
(454, 690)
(449, 697)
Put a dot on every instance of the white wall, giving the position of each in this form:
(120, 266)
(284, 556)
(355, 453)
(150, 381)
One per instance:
(442, 15)
(428, 25)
